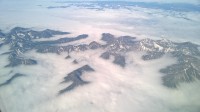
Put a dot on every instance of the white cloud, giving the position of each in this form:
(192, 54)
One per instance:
(137, 88)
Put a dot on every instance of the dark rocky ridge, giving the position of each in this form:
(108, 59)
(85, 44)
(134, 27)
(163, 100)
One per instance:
(152, 55)
(7, 82)
(188, 55)
(62, 40)
(75, 62)
(94, 45)
(68, 57)
(186, 70)
(21, 40)
(16, 60)
(75, 77)
(105, 55)
(1, 34)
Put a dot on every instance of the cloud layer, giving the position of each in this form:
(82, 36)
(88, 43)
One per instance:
(137, 87)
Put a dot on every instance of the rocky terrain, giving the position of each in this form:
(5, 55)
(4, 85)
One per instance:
(21, 40)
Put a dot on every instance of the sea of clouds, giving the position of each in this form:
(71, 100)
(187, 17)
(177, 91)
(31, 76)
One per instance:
(135, 88)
